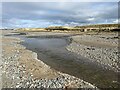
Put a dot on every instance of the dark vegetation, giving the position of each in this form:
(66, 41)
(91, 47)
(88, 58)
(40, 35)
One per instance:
(87, 28)
(97, 28)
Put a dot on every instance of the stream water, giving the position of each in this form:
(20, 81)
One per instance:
(52, 51)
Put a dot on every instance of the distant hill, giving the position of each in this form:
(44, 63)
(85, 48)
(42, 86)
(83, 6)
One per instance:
(97, 27)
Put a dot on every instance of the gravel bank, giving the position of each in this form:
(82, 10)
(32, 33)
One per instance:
(100, 48)
(22, 69)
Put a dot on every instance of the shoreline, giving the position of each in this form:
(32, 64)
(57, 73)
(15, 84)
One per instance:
(21, 64)
(98, 48)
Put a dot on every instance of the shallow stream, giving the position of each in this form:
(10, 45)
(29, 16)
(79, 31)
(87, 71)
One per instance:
(52, 51)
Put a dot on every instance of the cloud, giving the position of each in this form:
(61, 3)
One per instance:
(60, 1)
(43, 14)
(115, 21)
(91, 19)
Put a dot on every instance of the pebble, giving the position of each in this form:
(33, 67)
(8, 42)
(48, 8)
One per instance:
(107, 56)
(14, 71)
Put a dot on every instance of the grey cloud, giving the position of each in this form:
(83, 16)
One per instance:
(59, 13)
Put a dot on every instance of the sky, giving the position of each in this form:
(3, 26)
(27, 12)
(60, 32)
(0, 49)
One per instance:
(44, 14)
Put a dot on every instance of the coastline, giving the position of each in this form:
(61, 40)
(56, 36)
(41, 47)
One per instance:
(32, 72)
